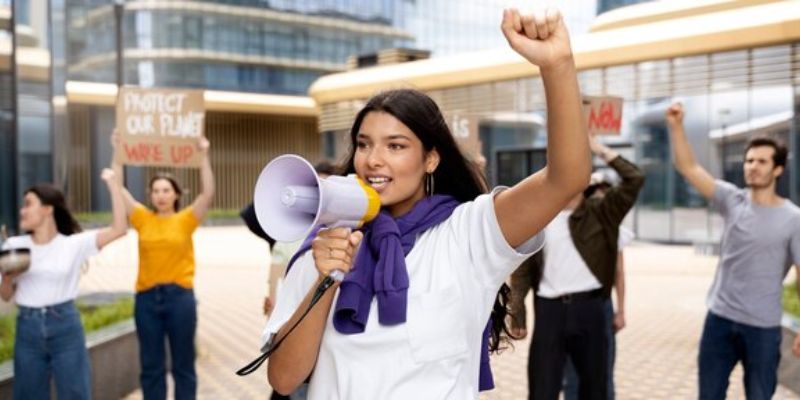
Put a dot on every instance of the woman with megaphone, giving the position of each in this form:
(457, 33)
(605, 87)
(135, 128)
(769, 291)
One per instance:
(410, 316)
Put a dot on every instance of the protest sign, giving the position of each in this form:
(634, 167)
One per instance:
(159, 127)
(603, 115)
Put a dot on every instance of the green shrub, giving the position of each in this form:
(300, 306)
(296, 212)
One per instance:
(100, 218)
(93, 317)
(791, 302)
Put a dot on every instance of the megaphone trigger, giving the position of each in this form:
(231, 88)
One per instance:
(337, 275)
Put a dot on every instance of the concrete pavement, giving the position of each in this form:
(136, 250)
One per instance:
(656, 352)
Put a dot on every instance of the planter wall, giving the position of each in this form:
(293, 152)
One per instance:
(114, 354)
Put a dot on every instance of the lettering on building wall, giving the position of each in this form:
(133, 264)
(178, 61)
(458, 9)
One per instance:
(160, 127)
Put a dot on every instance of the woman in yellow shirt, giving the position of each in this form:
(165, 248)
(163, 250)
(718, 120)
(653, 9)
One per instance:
(165, 303)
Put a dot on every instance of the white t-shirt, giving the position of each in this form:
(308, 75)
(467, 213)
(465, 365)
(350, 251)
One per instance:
(455, 270)
(55, 268)
(564, 269)
(626, 236)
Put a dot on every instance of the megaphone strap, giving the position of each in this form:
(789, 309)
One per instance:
(270, 348)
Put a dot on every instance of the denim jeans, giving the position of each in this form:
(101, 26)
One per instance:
(571, 376)
(166, 312)
(724, 343)
(50, 343)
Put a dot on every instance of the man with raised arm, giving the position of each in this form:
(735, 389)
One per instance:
(760, 242)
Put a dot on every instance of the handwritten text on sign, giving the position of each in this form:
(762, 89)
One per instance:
(603, 115)
(160, 126)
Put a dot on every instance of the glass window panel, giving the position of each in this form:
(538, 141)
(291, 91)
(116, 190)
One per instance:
(620, 81)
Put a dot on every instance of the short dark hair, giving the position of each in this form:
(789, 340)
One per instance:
(778, 157)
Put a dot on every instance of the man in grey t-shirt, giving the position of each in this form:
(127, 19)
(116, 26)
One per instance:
(760, 242)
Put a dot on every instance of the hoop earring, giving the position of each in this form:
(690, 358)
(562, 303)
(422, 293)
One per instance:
(429, 187)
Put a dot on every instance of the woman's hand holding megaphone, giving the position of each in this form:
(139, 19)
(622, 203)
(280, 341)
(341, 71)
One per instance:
(334, 249)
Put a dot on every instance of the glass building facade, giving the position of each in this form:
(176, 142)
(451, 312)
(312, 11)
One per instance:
(276, 46)
(8, 201)
(608, 5)
(26, 106)
(256, 46)
(729, 96)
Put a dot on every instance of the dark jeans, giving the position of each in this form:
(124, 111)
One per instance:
(50, 341)
(571, 380)
(166, 311)
(724, 343)
(573, 328)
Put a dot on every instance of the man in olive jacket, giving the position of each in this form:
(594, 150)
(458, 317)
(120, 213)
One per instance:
(572, 278)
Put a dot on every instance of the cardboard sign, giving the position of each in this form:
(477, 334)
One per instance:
(603, 115)
(160, 126)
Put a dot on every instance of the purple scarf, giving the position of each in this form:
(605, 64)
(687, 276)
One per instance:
(380, 271)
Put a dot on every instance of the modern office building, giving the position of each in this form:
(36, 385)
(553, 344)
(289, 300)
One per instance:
(735, 65)
(275, 46)
(255, 60)
(608, 5)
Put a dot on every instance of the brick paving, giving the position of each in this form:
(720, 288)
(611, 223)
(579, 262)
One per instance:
(656, 352)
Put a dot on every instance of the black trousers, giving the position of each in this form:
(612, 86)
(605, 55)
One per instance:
(564, 328)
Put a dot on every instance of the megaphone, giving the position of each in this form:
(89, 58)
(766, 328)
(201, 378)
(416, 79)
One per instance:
(291, 199)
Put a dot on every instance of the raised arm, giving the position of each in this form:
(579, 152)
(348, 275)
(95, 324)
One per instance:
(620, 199)
(683, 157)
(119, 224)
(528, 207)
(127, 199)
(203, 201)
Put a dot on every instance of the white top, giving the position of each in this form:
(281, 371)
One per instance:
(455, 270)
(626, 236)
(55, 268)
(564, 269)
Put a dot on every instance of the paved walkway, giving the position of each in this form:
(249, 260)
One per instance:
(656, 352)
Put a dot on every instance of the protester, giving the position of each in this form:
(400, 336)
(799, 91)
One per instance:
(165, 304)
(410, 316)
(572, 280)
(49, 341)
(760, 241)
(615, 322)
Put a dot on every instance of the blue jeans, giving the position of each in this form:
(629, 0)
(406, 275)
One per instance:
(571, 376)
(166, 311)
(50, 341)
(725, 343)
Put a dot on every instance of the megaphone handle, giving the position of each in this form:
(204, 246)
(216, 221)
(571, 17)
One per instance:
(337, 275)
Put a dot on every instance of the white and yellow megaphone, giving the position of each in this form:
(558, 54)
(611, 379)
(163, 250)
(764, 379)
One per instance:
(291, 198)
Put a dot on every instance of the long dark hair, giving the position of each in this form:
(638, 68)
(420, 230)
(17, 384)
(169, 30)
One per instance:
(173, 182)
(455, 175)
(49, 195)
(421, 115)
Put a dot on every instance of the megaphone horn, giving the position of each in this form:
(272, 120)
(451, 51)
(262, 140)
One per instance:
(291, 198)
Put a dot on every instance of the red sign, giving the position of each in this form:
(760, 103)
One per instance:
(603, 115)
(160, 126)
